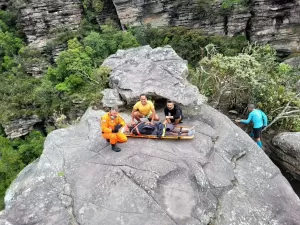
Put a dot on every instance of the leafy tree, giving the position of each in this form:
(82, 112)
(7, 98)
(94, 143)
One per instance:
(92, 9)
(188, 43)
(15, 155)
(252, 76)
(17, 97)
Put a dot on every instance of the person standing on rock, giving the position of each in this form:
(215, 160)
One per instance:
(111, 123)
(259, 120)
(173, 113)
(144, 109)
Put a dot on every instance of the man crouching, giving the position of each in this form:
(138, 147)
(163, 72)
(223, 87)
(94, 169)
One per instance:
(111, 123)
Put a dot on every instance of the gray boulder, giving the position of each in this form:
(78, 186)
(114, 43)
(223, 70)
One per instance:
(158, 72)
(219, 177)
(43, 19)
(111, 98)
(20, 127)
(287, 151)
(294, 62)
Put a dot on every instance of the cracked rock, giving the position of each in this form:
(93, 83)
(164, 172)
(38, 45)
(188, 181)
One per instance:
(80, 180)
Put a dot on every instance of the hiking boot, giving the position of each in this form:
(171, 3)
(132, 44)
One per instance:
(115, 148)
(108, 140)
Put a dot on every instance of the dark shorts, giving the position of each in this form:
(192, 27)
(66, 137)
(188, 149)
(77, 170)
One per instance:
(173, 120)
(257, 132)
(169, 127)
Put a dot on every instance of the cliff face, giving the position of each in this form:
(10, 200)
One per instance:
(278, 23)
(41, 19)
(266, 21)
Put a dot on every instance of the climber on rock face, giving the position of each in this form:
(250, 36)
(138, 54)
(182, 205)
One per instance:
(111, 123)
(259, 120)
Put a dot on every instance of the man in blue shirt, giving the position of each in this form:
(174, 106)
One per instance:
(259, 120)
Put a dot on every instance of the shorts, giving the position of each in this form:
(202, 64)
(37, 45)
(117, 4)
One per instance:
(169, 127)
(257, 132)
(173, 120)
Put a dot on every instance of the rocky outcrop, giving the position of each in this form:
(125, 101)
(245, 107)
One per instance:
(277, 23)
(20, 127)
(159, 73)
(287, 152)
(220, 177)
(41, 20)
(3, 4)
(264, 21)
(294, 62)
(111, 98)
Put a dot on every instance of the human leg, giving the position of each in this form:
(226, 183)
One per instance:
(156, 118)
(137, 115)
(121, 138)
(257, 135)
(177, 120)
(113, 140)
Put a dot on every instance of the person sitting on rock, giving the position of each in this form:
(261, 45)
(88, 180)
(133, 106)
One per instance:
(144, 109)
(111, 123)
(259, 120)
(173, 113)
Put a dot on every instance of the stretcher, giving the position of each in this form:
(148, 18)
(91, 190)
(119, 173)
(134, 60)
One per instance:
(179, 132)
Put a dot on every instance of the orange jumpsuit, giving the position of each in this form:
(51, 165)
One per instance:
(107, 125)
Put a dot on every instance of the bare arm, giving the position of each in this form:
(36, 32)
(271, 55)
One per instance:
(132, 115)
(153, 114)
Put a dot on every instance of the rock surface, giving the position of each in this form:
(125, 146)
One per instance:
(111, 98)
(220, 177)
(277, 23)
(21, 127)
(158, 72)
(294, 62)
(42, 19)
(264, 21)
(287, 152)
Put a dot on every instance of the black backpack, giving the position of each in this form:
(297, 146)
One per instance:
(159, 129)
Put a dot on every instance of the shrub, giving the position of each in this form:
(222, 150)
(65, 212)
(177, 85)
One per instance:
(252, 76)
(188, 43)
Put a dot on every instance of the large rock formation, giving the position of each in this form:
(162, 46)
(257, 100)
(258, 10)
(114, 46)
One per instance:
(3, 4)
(277, 22)
(41, 19)
(265, 21)
(287, 152)
(220, 177)
(158, 72)
(21, 127)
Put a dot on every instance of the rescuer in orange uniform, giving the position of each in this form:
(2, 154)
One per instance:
(111, 123)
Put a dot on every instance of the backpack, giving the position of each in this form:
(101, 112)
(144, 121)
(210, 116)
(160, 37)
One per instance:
(159, 129)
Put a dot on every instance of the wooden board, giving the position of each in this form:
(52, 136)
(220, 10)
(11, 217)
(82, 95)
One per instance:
(174, 137)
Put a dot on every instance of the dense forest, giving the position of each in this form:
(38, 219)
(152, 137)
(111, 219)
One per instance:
(221, 67)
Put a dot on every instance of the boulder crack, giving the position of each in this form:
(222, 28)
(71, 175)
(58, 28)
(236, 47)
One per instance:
(137, 184)
(237, 157)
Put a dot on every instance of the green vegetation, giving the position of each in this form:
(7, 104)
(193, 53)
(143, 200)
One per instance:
(251, 76)
(229, 69)
(92, 9)
(15, 155)
(188, 43)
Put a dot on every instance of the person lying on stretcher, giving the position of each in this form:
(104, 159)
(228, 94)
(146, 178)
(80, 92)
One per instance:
(158, 129)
